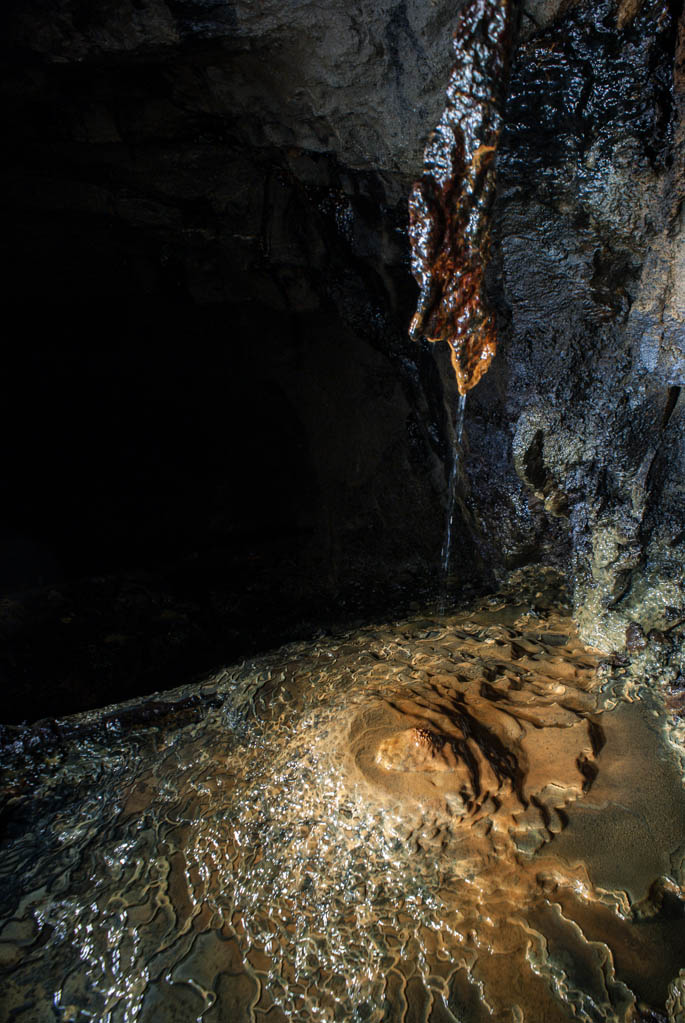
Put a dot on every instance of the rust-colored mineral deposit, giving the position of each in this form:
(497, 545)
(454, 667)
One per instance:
(450, 205)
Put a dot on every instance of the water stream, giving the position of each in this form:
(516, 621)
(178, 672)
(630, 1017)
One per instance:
(446, 553)
(432, 820)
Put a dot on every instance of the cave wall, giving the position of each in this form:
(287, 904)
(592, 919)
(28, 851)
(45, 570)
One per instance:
(255, 161)
(589, 225)
(223, 159)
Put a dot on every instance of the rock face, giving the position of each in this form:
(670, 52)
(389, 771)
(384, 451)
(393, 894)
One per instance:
(450, 205)
(590, 232)
(248, 166)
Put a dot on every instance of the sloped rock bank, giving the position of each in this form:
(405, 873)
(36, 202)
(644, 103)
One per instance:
(275, 844)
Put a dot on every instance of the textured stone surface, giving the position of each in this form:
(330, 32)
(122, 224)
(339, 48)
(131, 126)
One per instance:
(360, 81)
(450, 205)
(281, 805)
(603, 196)
(590, 235)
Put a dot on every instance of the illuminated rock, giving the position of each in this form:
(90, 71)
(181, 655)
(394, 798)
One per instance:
(434, 819)
(449, 208)
(456, 748)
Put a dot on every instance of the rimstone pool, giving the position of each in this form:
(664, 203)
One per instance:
(465, 817)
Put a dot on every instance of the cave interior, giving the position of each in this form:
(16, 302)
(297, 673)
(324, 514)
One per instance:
(223, 432)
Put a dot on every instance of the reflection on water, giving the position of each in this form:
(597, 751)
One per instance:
(431, 820)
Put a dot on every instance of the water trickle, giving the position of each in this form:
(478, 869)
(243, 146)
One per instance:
(446, 553)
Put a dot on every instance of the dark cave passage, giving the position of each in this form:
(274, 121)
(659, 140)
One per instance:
(185, 485)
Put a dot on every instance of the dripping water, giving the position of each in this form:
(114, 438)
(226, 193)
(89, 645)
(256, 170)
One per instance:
(451, 503)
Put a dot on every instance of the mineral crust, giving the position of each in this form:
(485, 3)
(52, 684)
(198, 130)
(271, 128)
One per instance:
(449, 208)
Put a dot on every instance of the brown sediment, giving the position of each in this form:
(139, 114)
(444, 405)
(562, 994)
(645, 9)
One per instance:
(449, 208)
(367, 828)
(473, 749)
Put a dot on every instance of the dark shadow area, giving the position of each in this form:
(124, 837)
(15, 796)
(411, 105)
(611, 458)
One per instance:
(182, 486)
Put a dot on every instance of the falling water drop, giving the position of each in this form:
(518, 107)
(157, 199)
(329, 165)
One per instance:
(459, 425)
(451, 502)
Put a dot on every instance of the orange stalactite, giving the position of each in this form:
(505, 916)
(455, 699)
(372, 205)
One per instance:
(450, 205)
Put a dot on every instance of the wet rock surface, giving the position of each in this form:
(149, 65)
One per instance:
(263, 847)
(589, 191)
(450, 206)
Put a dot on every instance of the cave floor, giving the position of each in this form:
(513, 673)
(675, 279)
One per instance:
(448, 817)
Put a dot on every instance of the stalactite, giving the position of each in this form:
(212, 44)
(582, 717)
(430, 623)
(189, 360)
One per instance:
(450, 205)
